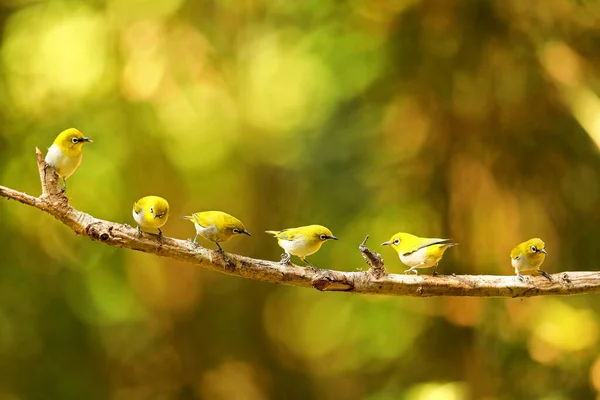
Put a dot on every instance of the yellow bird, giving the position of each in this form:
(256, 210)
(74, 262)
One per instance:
(151, 212)
(302, 241)
(216, 226)
(65, 153)
(417, 252)
(528, 256)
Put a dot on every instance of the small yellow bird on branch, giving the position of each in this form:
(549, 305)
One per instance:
(65, 153)
(417, 252)
(528, 257)
(150, 212)
(216, 226)
(302, 241)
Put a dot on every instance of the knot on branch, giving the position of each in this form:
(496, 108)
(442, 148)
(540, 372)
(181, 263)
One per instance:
(374, 260)
(98, 231)
(330, 282)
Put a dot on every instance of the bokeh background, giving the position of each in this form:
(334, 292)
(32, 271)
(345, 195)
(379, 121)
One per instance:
(476, 120)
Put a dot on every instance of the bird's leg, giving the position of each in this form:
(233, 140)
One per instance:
(285, 258)
(414, 269)
(310, 265)
(434, 273)
(139, 232)
(220, 249)
(64, 185)
(160, 235)
(546, 275)
(519, 276)
(195, 241)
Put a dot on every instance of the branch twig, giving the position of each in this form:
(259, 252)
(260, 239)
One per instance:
(376, 280)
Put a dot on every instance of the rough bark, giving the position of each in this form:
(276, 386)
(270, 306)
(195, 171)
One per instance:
(375, 280)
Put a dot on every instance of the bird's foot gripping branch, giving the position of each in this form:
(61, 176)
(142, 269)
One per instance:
(374, 280)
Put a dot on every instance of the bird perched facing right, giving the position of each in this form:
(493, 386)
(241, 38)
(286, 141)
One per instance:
(150, 212)
(65, 153)
(417, 252)
(216, 226)
(528, 257)
(302, 241)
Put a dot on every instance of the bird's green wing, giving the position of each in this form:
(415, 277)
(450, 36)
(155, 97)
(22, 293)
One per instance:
(285, 234)
(203, 219)
(425, 242)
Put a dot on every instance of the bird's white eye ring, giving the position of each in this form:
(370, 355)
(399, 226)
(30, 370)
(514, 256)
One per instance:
(152, 210)
(397, 242)
(74, 140)
(534, 249)
(236, 230)
(323, 237)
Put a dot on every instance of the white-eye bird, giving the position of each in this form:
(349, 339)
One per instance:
(527, 257)
(417, 252)
(151, 212)
(216, 226)
(65, 153)
(302, 241)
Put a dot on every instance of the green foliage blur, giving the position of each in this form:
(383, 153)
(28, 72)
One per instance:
(476, 120)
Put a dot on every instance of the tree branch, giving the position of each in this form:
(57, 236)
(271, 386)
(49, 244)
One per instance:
(375, 280)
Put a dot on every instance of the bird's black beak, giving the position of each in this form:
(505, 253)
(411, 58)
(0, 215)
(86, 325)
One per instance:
(332, 238)
(86, 139)
(386, 243)
(246, 233)
(543, 251)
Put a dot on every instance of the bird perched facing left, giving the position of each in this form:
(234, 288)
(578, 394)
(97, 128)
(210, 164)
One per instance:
(65, 153)
(302, 241)
(417, 252)
(216, 226)
(150, 212)
(527, 257)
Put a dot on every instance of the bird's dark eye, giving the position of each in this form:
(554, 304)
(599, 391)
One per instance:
(236, 230)
(397, 242)
(534, 249)
(323, 237)
(152, 210)
(74, 140)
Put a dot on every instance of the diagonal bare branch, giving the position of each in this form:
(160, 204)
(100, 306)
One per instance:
(375, 280)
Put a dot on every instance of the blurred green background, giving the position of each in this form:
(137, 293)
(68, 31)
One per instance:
(475, 120)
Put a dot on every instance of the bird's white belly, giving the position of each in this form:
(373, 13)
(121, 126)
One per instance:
(296, 247)
(524, 265)
(418, 259)
(139, 217)
(64, 166)
(209, 232)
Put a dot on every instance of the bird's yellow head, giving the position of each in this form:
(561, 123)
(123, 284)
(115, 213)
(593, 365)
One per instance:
(534, 249)
(159, 208)
(317, 233)
(397, 240)
(71, 140)
(235, 227)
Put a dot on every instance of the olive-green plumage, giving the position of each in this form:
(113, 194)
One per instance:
(65, 154)
(151, 212)
(216, 226)
(302, 241)
(527, 257)
(417, 252)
